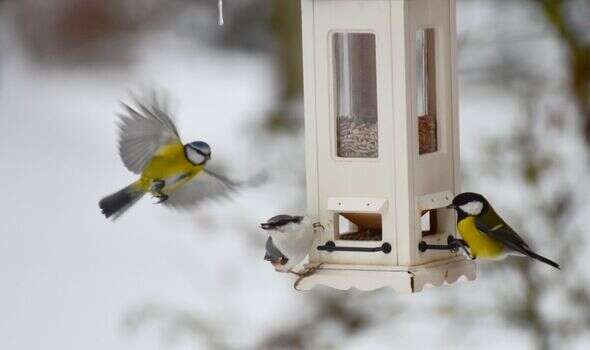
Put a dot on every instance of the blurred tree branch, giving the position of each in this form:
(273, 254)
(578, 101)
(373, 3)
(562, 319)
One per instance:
(349, 314)
(578, 52)
(176, 323)
(285, 115)
(535, 162)
(532, 165)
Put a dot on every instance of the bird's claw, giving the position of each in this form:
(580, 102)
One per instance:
(465, 249)
(157, 187)
(460, 243)
(161, 198)
(304, 273)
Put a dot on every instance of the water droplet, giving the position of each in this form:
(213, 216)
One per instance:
(220, 8)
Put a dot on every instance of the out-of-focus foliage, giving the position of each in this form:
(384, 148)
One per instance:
(533, 165)
(83, 32)
(88, 32)
(569, 19)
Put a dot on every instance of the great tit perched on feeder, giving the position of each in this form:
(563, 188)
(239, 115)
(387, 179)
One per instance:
(485, 233)
(289, 241)
(175, 174)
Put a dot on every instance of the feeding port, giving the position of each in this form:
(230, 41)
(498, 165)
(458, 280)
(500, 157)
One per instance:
(429, 222)
(358, 227)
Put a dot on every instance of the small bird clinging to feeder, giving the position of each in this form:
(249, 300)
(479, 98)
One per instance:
(485, 233)
(175, 174)
(290, 239)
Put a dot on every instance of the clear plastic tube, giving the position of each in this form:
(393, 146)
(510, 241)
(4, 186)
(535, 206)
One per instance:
(355, 84)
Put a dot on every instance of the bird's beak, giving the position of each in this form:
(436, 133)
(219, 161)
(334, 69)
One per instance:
(451, 206)
(266, 226)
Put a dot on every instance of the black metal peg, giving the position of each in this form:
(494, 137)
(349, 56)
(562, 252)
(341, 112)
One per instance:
(331, 247)
(452, 245)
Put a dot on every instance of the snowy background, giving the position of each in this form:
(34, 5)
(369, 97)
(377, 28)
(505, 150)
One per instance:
(159, 279)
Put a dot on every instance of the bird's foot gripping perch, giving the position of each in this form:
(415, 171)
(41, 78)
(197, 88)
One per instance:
(157, 187)
(464, 246)
(453, 245)
(303, 274)
(161, 198)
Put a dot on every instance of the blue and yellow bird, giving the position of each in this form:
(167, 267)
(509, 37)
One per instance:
(149, 145)
(485, 234)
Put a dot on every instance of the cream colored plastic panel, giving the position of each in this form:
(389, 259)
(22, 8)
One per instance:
(410, 280)
(436, 172)
(435, 14)
(353, 177)
(307, 33)
(435, 200)
(358, 205)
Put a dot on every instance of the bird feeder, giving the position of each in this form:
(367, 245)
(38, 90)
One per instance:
(382, 142)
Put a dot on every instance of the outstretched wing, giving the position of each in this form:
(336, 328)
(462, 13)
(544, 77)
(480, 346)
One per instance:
(206, 185)
(143, 130)
(492, 225)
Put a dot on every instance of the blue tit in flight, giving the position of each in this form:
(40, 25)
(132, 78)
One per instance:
(485, 233)
(150, 146)
(290, 239)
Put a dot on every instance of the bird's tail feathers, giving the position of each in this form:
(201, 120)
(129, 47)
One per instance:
(542, 259)
(116, 204)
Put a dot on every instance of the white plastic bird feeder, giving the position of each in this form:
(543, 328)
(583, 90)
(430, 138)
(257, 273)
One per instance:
(382, 142)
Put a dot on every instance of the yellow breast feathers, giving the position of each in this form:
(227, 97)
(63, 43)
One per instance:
(480, 244)
(170, 165)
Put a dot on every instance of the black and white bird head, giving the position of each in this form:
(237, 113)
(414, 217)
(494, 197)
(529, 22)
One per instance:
(198, 152)
(469, 203)
(282, 223)
(290, 239)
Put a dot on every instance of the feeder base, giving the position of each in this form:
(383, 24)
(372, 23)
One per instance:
(400, 279)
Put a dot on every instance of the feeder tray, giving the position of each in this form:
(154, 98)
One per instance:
(400, 279)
